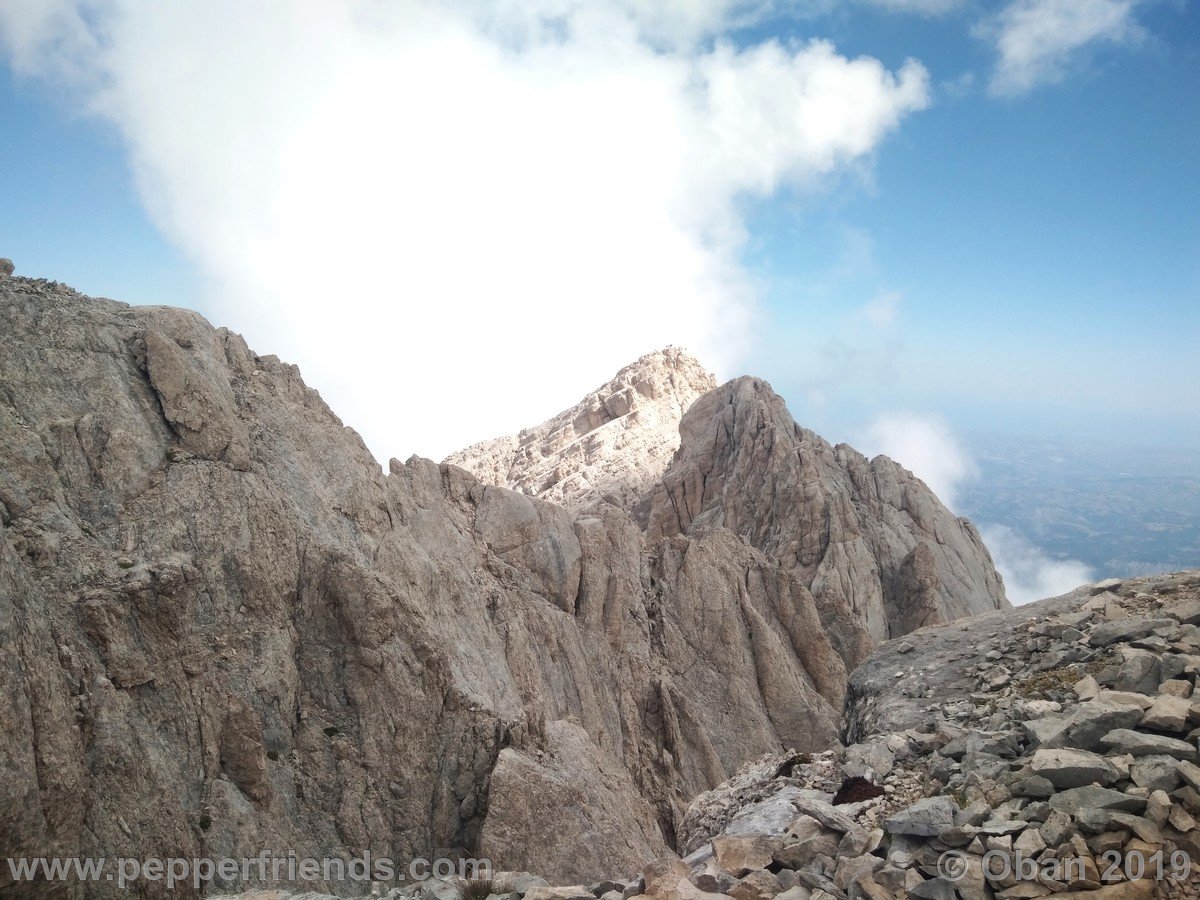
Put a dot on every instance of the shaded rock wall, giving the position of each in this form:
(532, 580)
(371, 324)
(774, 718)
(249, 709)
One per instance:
(223, 628)
(879, 552)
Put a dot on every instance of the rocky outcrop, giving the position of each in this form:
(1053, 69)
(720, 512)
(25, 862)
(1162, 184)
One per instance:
(613, 445)
(560, 797)
(871, 542)
(223, 628)
(196, 400)
(875, 551)
(999, 759)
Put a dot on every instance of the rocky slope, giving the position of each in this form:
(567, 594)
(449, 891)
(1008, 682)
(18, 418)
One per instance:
(879, 553)
(1063, 734)
(222, 628)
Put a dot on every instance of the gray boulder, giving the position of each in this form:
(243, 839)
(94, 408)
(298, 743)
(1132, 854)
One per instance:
(1125, 630)
(873, 760)
(1137, 743)
(1169, 713)
(925, 818)
(1057, 828)
(1083, 725)
(1140, 673)
(1073, 768)
(1076, 799)
(1156, 773)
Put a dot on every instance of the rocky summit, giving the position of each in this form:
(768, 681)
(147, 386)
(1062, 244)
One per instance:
(224, 629)
(613, 445)
(878, 552)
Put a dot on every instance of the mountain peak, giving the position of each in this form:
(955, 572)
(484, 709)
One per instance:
(881, 554)
(612, 445)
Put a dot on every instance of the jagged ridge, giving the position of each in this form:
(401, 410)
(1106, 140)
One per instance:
(221, 627)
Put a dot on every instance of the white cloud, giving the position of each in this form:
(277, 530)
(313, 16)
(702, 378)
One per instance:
(925, 446)
(928, 448)
(1029, 574)
(1036, 40)
(459, 217)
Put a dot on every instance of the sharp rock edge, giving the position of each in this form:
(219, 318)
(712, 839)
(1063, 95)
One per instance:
(222, 628)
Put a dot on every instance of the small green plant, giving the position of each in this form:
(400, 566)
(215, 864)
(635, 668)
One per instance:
(125, 563)
(205, 821)
(1042, 684)
(477, 889)
(959, 796)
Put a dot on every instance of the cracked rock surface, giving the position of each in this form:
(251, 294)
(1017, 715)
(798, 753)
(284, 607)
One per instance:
(879, 554)
(223, 628)
(967, 775)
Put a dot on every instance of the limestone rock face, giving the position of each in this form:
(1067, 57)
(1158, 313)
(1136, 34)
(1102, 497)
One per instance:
(876, 553)
(243, 756)
(537, 803)
(195, 398)
(223, 628)
(879, 552)
(612, 445)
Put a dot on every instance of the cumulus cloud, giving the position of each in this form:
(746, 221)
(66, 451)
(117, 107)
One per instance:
(924, 445)
(459, 217)
(1029, 574)
(1037, 40)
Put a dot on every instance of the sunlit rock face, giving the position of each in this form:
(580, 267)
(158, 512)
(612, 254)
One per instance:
(612, 445)
(222, 627)
(877, 550)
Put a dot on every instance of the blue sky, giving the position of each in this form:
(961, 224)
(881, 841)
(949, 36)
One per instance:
(1046, 247)
(71, 211)
(1027, 263)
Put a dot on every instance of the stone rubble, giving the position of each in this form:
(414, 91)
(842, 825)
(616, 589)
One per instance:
(1043, 749)
(972, 775)
(221, 626)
